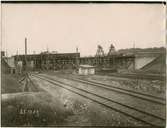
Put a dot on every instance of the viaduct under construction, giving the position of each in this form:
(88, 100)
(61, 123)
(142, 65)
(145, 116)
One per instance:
(55, 61)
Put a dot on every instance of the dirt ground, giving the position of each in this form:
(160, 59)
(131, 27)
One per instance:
(53, 106)
(85, 112)
(139, 104)
(152, 87)
(30, 108)
(10, 84)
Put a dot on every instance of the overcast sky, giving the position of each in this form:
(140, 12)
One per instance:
(63, 27)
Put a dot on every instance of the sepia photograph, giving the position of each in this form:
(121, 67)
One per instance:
(83, 64)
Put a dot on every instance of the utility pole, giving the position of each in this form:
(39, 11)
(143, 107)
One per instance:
(25, 46)
(25, 54)
(7, 55)
(77, 61)
(134, 56)
(134, 48)
(47, 49)
(16, 61)
(47, 57)
(77, 49)
(17, 52)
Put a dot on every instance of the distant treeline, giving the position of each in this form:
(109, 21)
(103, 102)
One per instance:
(154, 49)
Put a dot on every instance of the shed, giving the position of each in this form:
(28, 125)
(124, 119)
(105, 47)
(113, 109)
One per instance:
(86, 70)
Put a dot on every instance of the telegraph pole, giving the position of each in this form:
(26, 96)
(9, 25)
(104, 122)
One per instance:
(26, 88)
(25, 46)
(134, 56)
(16, 61)
(133, 48)
(25, 54)
(77, 61)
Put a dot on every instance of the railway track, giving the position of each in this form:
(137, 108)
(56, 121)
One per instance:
(139, 115)
(139, 76)
(152, 99)
(139, 95)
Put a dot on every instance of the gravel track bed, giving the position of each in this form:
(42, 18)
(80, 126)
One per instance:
(146, 106)
(84, 111)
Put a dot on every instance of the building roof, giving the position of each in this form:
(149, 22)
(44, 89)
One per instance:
(86, 66)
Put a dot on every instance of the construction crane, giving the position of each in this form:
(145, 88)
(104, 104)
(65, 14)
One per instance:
(99, 55)
(111, 56)
(100, 52)
(111, 50)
